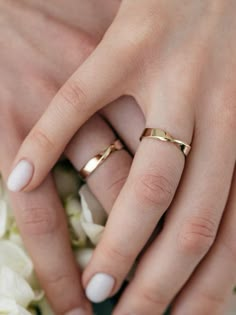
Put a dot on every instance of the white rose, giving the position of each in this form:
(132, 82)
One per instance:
(45, 308)
(14, 286)
(10, 307)
(74, 212)
(14, 257)
(93, 216)
(83, 256)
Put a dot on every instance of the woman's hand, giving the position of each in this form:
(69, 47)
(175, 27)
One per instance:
(178, 61)
(32, 46)
(32, 71)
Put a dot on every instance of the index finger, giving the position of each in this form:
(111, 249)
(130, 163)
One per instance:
(80, 97)
(41, 220)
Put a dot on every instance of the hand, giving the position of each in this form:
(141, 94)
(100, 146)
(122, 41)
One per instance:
(161, 54)
(40, 214)
(31, 74)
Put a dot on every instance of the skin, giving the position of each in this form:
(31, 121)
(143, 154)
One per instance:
(32, 72)
(161, 58)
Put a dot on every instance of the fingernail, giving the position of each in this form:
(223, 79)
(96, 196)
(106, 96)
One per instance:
(77, 311)
(99, 287)
(20, 176)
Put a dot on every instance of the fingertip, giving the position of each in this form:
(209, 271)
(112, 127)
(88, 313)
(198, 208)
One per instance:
(20, 176)
(100, 287)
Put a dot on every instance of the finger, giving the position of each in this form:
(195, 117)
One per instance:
(97, 82)
(190, 226)
(146, 195)
(42, 223)
(127, 119)
(211, 286)
(107, 180)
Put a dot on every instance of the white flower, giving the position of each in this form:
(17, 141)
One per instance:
(86, 217)
(92, 209)
(14, 286)
(45, 308)
(83, 256)
(10, 307)
(93, 216)
(14, 257)
(74, 212)
(20, 292)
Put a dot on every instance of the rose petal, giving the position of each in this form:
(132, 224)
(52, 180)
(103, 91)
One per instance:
(14, 257)
(45, 308)
(91, 208)
(14, 286)
(10, 307)
(83, 256)
(93, 231)
(73, 206)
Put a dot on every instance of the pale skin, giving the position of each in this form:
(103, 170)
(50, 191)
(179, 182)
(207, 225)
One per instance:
(178, 63)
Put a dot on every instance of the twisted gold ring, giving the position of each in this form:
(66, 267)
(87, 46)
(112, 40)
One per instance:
(162, 135)
(98, 159)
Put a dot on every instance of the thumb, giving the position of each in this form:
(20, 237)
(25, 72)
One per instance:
(98, 81)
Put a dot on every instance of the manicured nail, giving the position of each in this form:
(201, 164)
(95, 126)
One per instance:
(20, 176)
(99, 287)
(78, 311)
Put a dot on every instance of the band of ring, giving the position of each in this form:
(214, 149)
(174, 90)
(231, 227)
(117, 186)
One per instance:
(162, 135)
(98, 159)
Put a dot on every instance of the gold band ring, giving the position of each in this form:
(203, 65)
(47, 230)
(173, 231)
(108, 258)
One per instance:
(98, 159)
(162, 135)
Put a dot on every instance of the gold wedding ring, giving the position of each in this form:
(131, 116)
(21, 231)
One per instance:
(162, 135)
(98, 159)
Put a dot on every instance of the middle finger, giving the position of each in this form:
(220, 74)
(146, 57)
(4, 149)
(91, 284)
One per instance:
(145, 196)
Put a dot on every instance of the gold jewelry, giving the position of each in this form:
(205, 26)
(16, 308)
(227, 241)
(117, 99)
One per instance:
(162, 135)
(98, 159)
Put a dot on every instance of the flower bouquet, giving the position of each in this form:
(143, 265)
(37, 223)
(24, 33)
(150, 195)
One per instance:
(20, 291)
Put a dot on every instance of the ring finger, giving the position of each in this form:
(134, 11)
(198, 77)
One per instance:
(108, 178)
(42, 222)
(146, 195)
(190, 226)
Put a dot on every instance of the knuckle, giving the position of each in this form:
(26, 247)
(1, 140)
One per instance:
(197, 235)
(154, 189)
(42, 140)
(58, 280)
(74, 96)
(38, 221)
(156, 299)
(116, 253)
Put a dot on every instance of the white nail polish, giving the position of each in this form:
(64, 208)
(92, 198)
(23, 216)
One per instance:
(20, 176)
(99, 287)
(78, 311)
